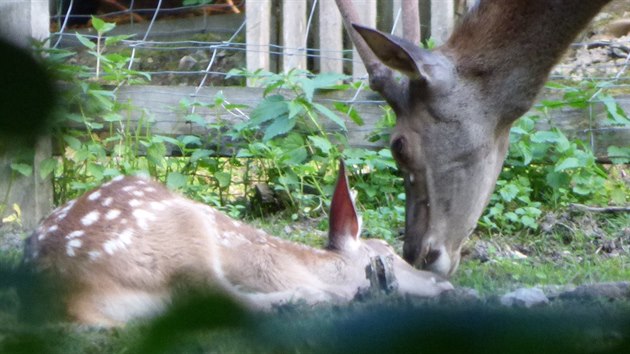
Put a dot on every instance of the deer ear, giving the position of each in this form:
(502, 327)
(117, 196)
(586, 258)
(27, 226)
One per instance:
(397, 53)
(344, 222)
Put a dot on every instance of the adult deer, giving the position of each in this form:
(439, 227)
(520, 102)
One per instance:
(118, 249)
(455, 106)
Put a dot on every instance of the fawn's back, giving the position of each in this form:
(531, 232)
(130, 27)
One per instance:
(119, 249)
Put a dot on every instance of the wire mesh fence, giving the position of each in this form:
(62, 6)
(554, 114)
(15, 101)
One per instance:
(197, 43)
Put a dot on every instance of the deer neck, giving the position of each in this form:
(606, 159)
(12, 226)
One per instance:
(509, 47)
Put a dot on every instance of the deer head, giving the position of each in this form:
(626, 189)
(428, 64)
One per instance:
(119, 249)
(455, 106)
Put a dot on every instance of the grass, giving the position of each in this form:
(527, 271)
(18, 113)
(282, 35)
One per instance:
(577, 249)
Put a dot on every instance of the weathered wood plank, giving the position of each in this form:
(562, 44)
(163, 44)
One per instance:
(330, 38)
(367, 14)
(162, 106)
(258, 34)
(294, 35)
(442, 19)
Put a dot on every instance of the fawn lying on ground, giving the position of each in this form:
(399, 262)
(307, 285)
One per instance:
(119, 248)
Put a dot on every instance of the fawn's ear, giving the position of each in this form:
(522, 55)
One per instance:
(344, 223)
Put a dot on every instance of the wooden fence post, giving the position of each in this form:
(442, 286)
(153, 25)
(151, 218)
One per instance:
(367, 14)
(258, 17)
(22, 20)
(330, 37)
(442, 19)
(294, 35)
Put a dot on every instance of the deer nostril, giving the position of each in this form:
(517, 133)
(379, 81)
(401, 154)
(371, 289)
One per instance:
(431, 257)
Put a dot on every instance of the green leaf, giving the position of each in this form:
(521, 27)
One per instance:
(73, 143)
(615, 112)
(322, 144)
(280, 125)
(224, 179)
(269, 108)
(619, 155)
(22, 168)
(105, 98)
(85, 41)
(111, 40)
(196, 119)
(557, 180)
(568, 163)
(46, 167)
(101, 26)
(295, 109)
(350, 111)
(112, 117)
(188, 140)
(509, 192)
(546, 136)
(200, 154)
(155, 153)
(175, 180)
(96, 171)
(168, 139)
(295, 151)
(330, 115)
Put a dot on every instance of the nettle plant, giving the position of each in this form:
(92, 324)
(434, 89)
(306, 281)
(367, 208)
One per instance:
(89, 157)
(299, 140)
(546, 170)
(287, 142)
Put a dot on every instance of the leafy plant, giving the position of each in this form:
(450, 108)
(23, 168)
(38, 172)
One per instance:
(545, 168)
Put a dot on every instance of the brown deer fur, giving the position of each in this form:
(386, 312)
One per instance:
(455, 107)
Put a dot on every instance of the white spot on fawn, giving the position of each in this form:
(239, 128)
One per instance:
(72, 245)
(134, 203)
(143, 217)
(118, 178)
(90, 218)
(63, 212)
(68, 206)
(41, 234)
(157, 206)
(112, 214)
(95, 195)
(150, 189)
(138, 193)
(75, 234)
(107, 201)
(128, 188)
(94, 255)
(118, 243)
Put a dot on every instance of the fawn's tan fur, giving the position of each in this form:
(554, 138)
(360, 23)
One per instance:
(120, 248)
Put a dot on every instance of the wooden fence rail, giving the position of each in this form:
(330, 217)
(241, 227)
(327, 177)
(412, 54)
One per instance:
(161, 104)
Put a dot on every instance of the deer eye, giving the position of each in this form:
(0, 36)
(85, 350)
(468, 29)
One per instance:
(398, 147)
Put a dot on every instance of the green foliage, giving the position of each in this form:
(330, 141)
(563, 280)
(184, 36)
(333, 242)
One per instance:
(546, 170)
(292, 142)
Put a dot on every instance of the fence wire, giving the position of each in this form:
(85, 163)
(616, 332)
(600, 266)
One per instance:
(198, 45)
